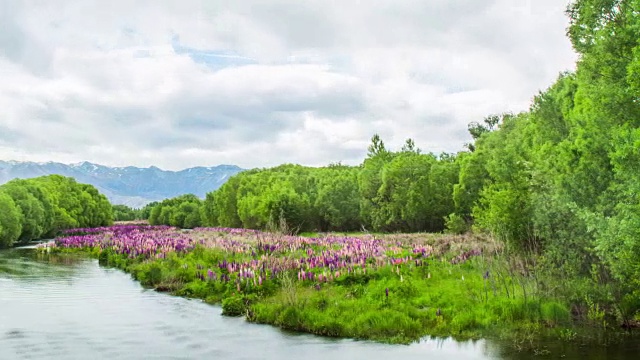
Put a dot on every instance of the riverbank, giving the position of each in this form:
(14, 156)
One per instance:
(391, 288)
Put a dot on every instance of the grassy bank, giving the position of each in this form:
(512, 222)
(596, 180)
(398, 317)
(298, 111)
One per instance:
(389, 288)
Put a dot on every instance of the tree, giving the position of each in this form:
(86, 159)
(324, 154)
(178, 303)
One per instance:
(32, 211)
(183, 211)
(145, 212)
(10, 217)
(410, 146)
(126, 213)
(338, 203)
(377, 147)
(73, 204)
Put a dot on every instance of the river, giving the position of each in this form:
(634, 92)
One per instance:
(68, 307)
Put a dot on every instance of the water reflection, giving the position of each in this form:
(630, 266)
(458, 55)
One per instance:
(31, 265)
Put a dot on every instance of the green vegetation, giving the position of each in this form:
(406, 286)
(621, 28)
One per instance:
(558, 185)
(42, 207)
(127, 213)
(391, 288)
(404, 191)
(182, 211)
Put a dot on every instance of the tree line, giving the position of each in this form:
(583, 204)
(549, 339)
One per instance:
(127, 213)
(41, 207)
(559, 183)
(392, 191)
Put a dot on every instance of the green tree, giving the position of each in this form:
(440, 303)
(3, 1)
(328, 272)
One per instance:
(338, 203)
(10, 217)
(182, 211)
(32, 211)
(126, 213)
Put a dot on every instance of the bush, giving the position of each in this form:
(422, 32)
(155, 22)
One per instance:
(238, 305)
(455, 224)
(233, 306)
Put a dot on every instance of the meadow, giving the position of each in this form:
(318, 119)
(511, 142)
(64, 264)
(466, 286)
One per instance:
(392, 288)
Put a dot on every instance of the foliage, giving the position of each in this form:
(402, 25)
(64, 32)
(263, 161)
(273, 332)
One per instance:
(10, 224)
(126, 213)
(42, 207)
(391, 191)
(455, 224)
(560, 182)
(184, 211)
(392, 288)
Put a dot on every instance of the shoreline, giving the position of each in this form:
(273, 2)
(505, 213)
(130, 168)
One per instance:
(425, 285)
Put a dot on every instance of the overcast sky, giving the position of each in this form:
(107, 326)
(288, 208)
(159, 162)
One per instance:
(257, 83)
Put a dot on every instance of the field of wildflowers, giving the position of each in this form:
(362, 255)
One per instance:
(392, 288)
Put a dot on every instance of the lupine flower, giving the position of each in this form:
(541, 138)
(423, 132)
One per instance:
(257, 254)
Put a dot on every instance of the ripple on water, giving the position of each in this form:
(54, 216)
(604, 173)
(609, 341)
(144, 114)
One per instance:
(14, 334)
(25, 345)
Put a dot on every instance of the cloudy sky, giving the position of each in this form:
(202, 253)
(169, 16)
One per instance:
(259, 83)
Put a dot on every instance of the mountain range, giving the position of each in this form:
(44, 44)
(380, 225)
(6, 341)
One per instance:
(132, 186)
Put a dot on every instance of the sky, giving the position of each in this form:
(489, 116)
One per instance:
(254, 83)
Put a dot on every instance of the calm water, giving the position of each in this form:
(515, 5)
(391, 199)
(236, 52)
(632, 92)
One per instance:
(61, 307)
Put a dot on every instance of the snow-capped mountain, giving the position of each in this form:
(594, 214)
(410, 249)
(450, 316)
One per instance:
(129, 185)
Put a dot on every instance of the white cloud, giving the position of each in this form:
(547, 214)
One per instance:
(259, 83)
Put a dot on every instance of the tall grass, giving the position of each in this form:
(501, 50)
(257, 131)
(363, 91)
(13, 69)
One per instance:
(466, 287)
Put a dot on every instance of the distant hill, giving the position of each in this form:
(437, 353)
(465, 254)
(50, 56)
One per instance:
(129, 185)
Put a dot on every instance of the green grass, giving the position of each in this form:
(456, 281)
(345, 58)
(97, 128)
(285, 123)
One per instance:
(432, 301)
(439, 299)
